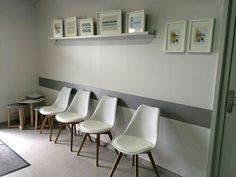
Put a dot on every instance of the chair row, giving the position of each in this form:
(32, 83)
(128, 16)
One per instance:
(142, 130)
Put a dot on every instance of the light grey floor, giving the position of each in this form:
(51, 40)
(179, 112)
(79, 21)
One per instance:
(55, 160)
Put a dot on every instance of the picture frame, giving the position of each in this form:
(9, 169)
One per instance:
(70, 26)
(175, 37)
(200, 35)
(109, 22)
(57, 28)
(85, 27)
(135, 21)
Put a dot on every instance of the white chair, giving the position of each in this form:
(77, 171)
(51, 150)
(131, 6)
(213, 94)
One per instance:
(58, 106)
(75, 114)
(101, 122)
(139, 137)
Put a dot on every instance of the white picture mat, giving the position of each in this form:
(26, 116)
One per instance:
(67, 21)
(80, 23)
(205, 27)
(139, 15)
(57, 28)
(178, 43)
(109, 14)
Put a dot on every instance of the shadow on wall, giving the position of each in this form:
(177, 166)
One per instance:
(102, 42)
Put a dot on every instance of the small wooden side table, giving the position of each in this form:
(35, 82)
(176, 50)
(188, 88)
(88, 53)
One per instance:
(31, 103)
(20, 108)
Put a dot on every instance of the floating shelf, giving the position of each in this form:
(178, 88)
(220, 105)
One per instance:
(120, 36)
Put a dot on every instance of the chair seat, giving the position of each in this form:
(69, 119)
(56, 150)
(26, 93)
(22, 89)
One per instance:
(51, 110)
(93, 126)
(69, 117)
(131, 145)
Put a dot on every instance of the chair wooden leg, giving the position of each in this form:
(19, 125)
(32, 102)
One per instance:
(132, 160)
(116, 163)
(69, 127)
(21, 117)
(136, 165)
(85, 136)
(90, 139)
(153, 163)
(51, 128)
(71, 137)
(97, 149)
(110, 136)
(75, 129)
(48, 122)
(61, 127)
(43, 124)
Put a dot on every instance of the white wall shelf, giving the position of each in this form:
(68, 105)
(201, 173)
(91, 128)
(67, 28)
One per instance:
(119, 36)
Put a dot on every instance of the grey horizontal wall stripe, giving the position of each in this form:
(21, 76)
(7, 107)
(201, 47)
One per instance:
(180, 112)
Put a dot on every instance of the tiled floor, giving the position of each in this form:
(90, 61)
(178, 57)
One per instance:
(55, 160)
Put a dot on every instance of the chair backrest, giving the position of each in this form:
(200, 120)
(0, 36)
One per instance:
(105, 110)
(144, 123)
(63, 98)
(80, 103)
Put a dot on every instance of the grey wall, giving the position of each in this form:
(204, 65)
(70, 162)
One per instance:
(183, 113)
(139, 67)
(18, 56)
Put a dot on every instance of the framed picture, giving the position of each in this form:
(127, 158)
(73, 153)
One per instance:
(200, 35)
(85, 27)
(175, 36)
(70, 27)
(58, 28)
(109, 22)
(135, 21)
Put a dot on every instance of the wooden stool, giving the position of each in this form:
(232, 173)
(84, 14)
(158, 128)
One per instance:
(21, 112)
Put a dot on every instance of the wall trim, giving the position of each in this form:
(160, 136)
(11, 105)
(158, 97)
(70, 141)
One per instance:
(184, 113)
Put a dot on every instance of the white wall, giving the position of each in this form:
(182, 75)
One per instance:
(140, 67)
(183, 78)
(18, 57)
